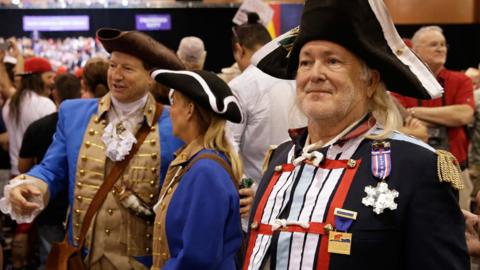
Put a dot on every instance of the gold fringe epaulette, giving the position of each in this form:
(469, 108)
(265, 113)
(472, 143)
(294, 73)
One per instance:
(448, 169)
(268, 156)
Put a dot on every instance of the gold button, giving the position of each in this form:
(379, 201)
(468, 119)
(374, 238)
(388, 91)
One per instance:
(164, 205)
(153, 128)
(88, 143)
(152, 183)
(77, 211)
(159, 238)
(91, 132)
(351, 163)
(84, 158)
(151, 196)
(101, 102)
(77, 238)
(254, 225)
(23, 177)
(400, 51)
(169, 190)
(79, 184)
(154, 170)
(110, 211)
(147, 249)
(107, 231)
(154, 155)
(114, 192)
(278, 168)
(82, 172)
(153, 142)
(77, 225)
(328, 228)
(79, 198)
(165, 255)
(96, 120)
(148, 235)
(150, 109)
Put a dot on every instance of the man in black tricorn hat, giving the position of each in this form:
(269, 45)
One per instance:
(349, 192)
(92, 137)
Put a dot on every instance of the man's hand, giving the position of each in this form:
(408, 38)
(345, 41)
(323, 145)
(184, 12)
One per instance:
(21, 198)
(472, 233)
(246, 200)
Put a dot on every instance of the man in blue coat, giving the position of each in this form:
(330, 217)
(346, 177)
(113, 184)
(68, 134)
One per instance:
(94, 134)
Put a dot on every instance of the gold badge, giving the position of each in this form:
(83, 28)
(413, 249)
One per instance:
(339, 242)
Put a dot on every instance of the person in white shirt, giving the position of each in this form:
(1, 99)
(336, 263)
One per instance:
(267, 102)
(28, 104)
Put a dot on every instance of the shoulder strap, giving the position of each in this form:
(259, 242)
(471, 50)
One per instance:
(213, 157)
(113, 176)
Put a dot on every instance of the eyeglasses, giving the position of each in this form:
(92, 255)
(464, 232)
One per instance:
(435, 45)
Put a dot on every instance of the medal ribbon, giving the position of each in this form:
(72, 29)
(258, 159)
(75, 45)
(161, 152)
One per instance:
(381, 163)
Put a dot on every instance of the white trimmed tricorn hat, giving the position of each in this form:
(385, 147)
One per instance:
(205, 88)
(366, 29)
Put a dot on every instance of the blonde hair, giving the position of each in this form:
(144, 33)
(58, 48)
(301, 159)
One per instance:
(382, 107)
(213, 129)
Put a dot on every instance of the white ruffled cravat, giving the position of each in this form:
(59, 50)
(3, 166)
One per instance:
(118, 135)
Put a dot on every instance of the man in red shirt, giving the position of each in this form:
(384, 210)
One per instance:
(453, 110)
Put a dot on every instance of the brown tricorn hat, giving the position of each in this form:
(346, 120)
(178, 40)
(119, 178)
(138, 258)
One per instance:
(141, 46)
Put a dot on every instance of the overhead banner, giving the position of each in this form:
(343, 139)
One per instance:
(150, 22)
(56, 23)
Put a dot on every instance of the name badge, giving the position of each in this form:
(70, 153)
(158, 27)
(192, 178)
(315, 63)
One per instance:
(339, 242)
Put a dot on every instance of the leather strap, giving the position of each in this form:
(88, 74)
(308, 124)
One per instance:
(113, 176)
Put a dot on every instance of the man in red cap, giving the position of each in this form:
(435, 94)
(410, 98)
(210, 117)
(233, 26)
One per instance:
(95, 135)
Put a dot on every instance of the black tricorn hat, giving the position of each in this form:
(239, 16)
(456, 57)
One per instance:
(205, 88)
(365, 28)
(141, 46)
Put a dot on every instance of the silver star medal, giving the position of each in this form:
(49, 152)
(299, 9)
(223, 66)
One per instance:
(380, 197)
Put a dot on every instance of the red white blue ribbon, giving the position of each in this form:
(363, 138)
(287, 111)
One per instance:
(381, 162)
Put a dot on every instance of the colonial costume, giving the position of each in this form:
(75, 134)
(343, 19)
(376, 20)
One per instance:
(356, 202)
(197, 224)
(93, 134)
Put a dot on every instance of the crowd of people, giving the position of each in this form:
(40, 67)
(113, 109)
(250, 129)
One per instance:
(337, 145)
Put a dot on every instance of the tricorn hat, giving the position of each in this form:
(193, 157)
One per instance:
(139, 45)
(205, 88)
(365, 28)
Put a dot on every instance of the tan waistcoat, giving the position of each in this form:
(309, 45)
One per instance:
(116, 232)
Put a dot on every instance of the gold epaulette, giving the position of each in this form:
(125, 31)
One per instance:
(268, 155)
(448, 169)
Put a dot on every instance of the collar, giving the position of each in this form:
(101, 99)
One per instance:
(148, 111)
(184, 154)
(299, 136)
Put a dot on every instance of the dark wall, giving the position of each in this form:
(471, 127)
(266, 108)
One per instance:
(213, 25)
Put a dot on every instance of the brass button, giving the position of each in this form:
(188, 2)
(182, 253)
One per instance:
(147, 249)
(110, 211)
(79, 198)
(152, 183)
(148, 235)
(23, 177)
(400, 51)
(351, 163)
(91, 132)
(114, 192)
(151, 196)
(169, 190)
(79, 184)
(153, 128)
(150, 109)
(328, 228)
(154, 170)
(77, 225)
(154, 155)
(159, 238)
(278, 168)
(165, 255)
(254, 225)
(77, 238)
(84, 158)
(163, 205)
(107, 231)
(153, 142)
(88, 143)
(82, 172)
(77, 211)
(96, 120)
